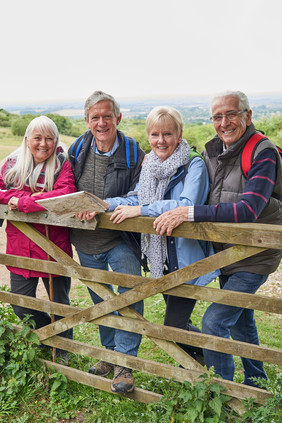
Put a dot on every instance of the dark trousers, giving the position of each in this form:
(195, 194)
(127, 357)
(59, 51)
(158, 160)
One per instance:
(61, 289)
(178, 312)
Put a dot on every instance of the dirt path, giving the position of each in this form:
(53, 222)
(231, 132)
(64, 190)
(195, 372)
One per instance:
(272, 287)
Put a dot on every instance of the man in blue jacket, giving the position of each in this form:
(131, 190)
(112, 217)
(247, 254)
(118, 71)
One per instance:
(107, 163)
(235, 197)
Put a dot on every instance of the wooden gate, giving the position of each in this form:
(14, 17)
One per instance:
(249, 239)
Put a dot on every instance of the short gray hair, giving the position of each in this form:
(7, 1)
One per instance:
(163, 114)
(95, 98)
(243, 99)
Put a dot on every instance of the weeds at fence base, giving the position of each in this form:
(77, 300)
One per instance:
(30, 393)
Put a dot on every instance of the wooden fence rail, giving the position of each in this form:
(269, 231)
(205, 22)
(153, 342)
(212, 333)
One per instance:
(247, 240)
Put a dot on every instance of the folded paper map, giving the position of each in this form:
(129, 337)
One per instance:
(69, 204)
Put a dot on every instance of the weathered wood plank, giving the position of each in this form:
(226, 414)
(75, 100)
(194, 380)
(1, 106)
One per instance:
(151, 287)
(155, 332)
(256, 302)
(137, 363)
(102, 383)
(49, 247)
(253, 234)
(39, 304)
(237, 405)
(46, 218)
(228, 346)
(104, 292)
(71, 269)
(233, 298)
(169, 281)
(233, 389)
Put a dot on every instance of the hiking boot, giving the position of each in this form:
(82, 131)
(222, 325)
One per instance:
(102, 368)
(123, 381)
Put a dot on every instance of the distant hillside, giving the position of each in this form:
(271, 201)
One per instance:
(193, 109)
(13, 126)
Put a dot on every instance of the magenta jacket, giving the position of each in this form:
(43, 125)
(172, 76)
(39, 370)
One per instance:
(17, 243)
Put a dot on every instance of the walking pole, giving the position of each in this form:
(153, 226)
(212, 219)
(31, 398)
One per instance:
(51, 294)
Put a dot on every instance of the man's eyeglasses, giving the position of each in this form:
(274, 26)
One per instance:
(232, 115)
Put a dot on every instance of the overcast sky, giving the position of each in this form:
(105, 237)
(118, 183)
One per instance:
(55, 50)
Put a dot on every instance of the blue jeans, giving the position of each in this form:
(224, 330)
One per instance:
(223, 320)
(122, 260)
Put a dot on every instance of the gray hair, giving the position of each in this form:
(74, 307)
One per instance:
(243, 99)
(95, 98)
(163, 114)
(21, 168)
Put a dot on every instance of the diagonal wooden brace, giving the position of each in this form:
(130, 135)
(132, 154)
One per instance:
(177, 353)
(149, 288)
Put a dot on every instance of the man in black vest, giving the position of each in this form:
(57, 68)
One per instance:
(107, 163)
(235, 197)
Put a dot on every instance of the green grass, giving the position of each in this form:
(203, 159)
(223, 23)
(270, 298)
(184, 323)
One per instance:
(8, 142)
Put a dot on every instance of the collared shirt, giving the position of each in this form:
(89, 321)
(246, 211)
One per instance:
(108, 153)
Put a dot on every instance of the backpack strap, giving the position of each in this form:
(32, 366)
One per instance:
(193, 154)
(76, 147)
(248, 152)
(279, 150)
(131, 151)
(183, 170)
(62, 158)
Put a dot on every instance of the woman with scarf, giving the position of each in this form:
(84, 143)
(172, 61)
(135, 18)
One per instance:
(38, 169)
(169, 179)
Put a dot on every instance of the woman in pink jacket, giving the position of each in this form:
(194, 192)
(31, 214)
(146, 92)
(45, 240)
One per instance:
(37, 169)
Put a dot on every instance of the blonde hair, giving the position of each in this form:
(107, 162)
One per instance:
(21, 168)
(161, 115)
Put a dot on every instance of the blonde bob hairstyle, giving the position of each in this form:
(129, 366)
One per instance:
(21, 169)
(161, 115)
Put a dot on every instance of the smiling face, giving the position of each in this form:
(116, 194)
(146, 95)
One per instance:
(230, 132)
(41, 145)
(103, 123)
(164, 138)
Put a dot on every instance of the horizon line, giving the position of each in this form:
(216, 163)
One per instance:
(127, 98)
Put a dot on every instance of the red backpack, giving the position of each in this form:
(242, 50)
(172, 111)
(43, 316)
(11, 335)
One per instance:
(248, 152)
